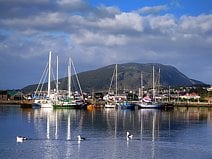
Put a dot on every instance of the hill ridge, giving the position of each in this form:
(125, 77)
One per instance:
(129, 77)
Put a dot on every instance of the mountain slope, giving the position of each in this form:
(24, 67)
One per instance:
(129, 77)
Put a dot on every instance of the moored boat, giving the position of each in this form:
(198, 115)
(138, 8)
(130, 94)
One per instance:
(127, 105)
(90, 107)
(42, 103)
(150, 104)
(45, 101)
(68, 103)
(71, 100)
(27, 103)
(110, 105)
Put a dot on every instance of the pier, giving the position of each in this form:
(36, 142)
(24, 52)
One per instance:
(21, 103)
(192, 104)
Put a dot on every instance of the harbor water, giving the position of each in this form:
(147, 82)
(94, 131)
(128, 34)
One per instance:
(180, 133)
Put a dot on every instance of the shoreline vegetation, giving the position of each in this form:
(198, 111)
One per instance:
(28, 103)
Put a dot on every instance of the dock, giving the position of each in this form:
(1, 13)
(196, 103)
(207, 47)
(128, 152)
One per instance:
(192, 104)
(21, 103)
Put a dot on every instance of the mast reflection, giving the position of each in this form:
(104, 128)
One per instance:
(48, 127)
(56, 125)
(69, 127)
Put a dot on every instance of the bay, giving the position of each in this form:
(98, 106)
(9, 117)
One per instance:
(179, 133)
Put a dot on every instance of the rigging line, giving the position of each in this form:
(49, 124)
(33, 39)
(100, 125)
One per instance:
(42, 76)
(53, 75)
(54, 79)
(46, 72)
(111, 82)
(76, 76)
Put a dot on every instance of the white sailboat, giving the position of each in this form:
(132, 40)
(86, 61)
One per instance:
(46, 102)
(147, 102)
(72, 100)
(110, 105)
(113, 104)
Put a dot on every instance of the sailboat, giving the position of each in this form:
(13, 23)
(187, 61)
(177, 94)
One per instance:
(45, 101)
(147, 102)
(112, 103)
(72, 100)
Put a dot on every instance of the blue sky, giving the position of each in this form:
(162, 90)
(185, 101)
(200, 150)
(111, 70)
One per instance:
(99, 33)
(176, 7)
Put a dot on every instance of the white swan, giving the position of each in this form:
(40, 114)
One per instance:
(20, 138)
(129, 136)
(80, 138)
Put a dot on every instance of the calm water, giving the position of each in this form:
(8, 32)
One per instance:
(181, 133)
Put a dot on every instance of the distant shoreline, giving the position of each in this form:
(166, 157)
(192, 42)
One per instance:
(17, 103)
(10, 102)
(193, 104)
(27, 104)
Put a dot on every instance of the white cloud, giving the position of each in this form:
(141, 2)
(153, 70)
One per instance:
(122, 22)
(152, 10)
(98, 36)
(165, 23)
(91, 38)
(110, 11)
(72, 4)
(42, 21)
(199, 24)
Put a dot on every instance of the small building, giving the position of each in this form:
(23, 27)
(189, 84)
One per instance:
(190, 96)
(209, 89)
(3, 95)
(15, 95)
(209, 99)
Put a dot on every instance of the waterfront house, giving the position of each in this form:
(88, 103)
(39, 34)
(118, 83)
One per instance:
(3, 95)
(189, 96)
(209, 89)
(209, 99)
(16, 95)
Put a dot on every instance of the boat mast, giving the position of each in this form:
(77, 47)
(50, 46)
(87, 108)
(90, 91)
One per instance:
(116, 80)
(159, 82)
(141, 93)
(153, 82)
(57, 78)
(49, 78)
(69, 78)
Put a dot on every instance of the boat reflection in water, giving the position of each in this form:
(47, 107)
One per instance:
(54, 121)
(156, 133)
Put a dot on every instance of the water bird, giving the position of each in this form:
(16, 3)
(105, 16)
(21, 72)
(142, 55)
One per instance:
(129, 136)
(80, 138)
(20, 138)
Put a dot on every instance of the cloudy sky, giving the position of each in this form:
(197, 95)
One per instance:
(97, 33)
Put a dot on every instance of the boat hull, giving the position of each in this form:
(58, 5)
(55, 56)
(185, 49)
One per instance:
(149, 105)
(127, 106)
(110, 105)
(67, 106)
(90, 107)
(43, 103)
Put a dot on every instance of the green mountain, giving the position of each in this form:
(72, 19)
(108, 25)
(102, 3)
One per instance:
(128, 77)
